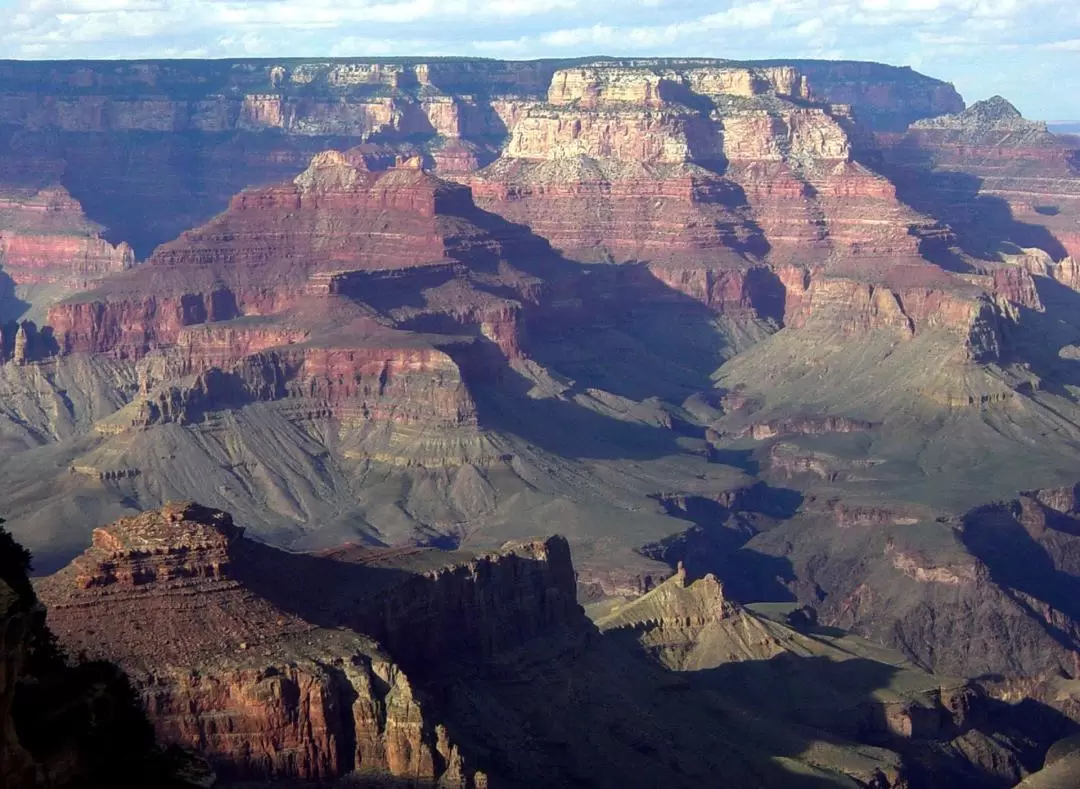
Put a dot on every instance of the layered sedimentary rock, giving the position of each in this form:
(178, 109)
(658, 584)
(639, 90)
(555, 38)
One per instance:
(253, 672)
(263, 661)
(730, 188)
(69, 724)
(98, 97)
(885, 97)
(997, 178)
(944, 729)
(45, 239)
(199, 127)
(386, 381)
(1006, 565)
(339, 229)
(49, 249)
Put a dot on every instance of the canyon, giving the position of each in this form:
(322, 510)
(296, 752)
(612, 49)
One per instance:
(807, 330)
(385, 665)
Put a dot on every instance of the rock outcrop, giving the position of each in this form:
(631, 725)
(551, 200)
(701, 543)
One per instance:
(884, 97)
(1000, 180)
(263, 661)
(266, 663)
(944, 729)
(74, 724)
(200, 126)
(339, 229)
(46, 239)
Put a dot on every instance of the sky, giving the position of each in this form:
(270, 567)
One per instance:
(1025, 50)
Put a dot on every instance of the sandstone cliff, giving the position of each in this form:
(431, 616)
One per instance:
(339, 229)
(262, 660)
(266, 663)
(885, 97)
(69, 725)
(199, 127)
(49, 249)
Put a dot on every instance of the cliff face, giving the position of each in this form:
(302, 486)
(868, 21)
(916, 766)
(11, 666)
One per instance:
(885, 97)
(17, 621)
(154, 148)
(46, 239)
(48, 246)
(264, 662)
(708, 175)
(996, 177)
(226, 95)
(944, 730)
(339, 229)
(258, 680)
(69, 724)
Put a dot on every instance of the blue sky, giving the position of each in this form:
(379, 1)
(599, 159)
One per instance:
(1026, 50)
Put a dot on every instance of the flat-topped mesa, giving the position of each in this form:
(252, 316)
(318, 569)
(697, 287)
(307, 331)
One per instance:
(662, 116)
(886, 98)
(694, 169)
(600, 85)
(338, 96)
(46, 239)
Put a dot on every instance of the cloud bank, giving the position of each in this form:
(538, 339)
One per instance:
(1026, 50)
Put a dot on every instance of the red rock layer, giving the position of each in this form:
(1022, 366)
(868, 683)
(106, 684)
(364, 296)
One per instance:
(994, 175)
(46, 239)
(721, 207)
(338, 230)
(264, 662)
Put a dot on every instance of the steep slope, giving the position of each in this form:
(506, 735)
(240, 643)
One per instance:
(694, 162)
(48, 249)
(69, 725)
(224, 661)
(719, 286)
(997, 178)
(884, 97)
(429, 667)
(946, 730)
(324, 234)
(367, 356)
(154, 148)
